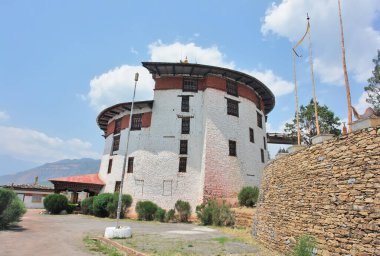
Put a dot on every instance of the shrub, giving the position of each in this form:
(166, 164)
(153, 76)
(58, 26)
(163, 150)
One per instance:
(146, 210)
(212, 213)
(170, 215)
(304, 246)
(70, 208)
(160, 214)
(100, 204)
(86, 205)
(55, 203)
(248, 196)
(184, 210)
(11, 208)
(126, 202)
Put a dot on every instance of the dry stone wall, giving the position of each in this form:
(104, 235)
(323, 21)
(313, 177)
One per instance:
(243, 216)
(329, 190)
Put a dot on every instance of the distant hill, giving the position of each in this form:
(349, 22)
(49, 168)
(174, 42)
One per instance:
(63, 168)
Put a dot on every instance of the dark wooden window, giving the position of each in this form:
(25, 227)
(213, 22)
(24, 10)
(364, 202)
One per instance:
(182, 164)
(186, 125)
(183, 147)
(117, 126)
(136, 122)
(262, 155)
(185, 106)
(232, 107)
(116, 142)
(190, 85)
(258, 105)
(232, 147)
(232, 88)
(259, 120)
(109, 166)
(130, 164)
(265, 143)
(251, 135)
(117, 186)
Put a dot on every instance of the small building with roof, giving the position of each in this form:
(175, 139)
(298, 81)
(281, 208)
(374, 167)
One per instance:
(202, 136)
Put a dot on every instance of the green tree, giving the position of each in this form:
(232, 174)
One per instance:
(328, 122)
(373, 88)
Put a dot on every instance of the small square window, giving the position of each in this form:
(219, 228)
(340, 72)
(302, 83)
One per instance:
(232, 88)
(117, 126)
(259, 120)
(190, 85)
(186, 125)
(232, 147)
(183, 147)
(117, 186)
(136, 122)
(130, 164)
(36, 198)
(109, 166)
(182, 164)
(251, 135)
(185, 106)
(232, 107)
(116, 143)
(265, 143)
(262, 156)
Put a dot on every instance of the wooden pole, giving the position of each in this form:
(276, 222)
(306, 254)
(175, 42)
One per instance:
(312, 78)
(348, 93)
(296, 94)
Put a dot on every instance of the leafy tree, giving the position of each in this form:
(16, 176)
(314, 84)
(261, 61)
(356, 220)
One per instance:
(328, 122)
(373, 88)
(11, 208)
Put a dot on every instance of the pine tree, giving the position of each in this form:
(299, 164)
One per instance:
(373, 88)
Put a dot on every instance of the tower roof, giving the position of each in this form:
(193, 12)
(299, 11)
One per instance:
(200, 70)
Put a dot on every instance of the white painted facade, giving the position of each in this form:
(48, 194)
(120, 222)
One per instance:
(155, 149)
(32, 199)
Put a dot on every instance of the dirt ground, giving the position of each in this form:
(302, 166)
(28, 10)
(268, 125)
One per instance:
(41, 234)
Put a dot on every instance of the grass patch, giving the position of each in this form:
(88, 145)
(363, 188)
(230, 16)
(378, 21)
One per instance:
(223, 239)
(97, 246)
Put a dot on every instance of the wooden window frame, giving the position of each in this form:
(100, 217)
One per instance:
(190, 84)
(265, 143)
(251, 135)
(109, 169)
(185, 104)
(130, 164)
(117, 128)
(259, 120)
(136, 122)
(232, 88)
(34, 200)
(183, 145)
(232, 107)
(185, 126)
(232, 148)
(262, 155)
(115, 143)
(182, 164)
(117, 186)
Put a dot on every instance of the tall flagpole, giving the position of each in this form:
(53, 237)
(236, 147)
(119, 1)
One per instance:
(126, 155)
(348, 93)
(296, 94)
(312, 79)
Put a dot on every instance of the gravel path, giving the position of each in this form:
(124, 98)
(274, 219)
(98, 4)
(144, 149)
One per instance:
(40, 234)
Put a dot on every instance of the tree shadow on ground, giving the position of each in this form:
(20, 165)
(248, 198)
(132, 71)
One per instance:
(14, 228)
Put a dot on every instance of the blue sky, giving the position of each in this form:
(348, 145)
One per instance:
(61, 62)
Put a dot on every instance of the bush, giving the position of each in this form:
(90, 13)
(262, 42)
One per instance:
(70, 208)
(126, 202)
(212, 213)
(248, 196)
(101, 203)
(304, 246)
(160, 214)
(146, 210)
(86, 205)
(184, 210)
(11, 208)
(170, 215)
(55, 203)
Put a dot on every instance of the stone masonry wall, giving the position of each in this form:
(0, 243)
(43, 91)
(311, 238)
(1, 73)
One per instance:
(329, 190)
(243, 216)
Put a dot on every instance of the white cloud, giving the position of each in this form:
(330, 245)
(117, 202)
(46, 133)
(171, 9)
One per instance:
(288, 19)
(362, 105)
(134, 51)
(3, 116)
(35, 146)
(276, 84)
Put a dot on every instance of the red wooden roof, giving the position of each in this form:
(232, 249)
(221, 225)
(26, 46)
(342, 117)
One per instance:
(87, 179)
